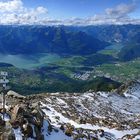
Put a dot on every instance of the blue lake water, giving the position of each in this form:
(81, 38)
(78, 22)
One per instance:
(115, 46)
(29, 61)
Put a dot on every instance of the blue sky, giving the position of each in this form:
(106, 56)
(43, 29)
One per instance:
(69, 12)
(77, 8)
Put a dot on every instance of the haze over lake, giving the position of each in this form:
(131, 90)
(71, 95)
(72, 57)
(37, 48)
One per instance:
(29, 61)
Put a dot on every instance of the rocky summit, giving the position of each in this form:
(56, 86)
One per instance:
(63, 116)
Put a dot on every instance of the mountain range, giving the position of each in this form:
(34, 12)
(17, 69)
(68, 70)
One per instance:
(70, 40)
(41, 39)
(80, 73)
(110, 33)
(128, 35)
(85, 58)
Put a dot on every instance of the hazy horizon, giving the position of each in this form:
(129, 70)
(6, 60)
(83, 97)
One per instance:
(74, 12)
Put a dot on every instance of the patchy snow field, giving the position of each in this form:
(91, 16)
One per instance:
(116, 114)
(123, 111)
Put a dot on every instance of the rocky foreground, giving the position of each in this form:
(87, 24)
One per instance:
(65, 116)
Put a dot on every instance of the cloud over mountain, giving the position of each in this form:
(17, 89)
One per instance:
(15, 12)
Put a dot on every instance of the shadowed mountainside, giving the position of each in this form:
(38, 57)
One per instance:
(40, 39)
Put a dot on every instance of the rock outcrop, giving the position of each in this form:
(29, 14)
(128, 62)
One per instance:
(15, 94)
(90, 116)
(24, 122)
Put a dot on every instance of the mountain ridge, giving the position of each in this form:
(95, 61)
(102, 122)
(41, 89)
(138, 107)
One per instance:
(91, 115)
(39, 39)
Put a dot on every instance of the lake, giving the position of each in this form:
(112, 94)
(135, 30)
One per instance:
(29, 61)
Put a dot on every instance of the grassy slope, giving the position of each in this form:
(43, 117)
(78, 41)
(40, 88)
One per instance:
(122, 70)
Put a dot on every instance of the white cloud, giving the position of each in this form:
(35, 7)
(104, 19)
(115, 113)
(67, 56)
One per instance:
(14, 12)
(116, 15)
(41, 10)
(121, 10)
(11, 6)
